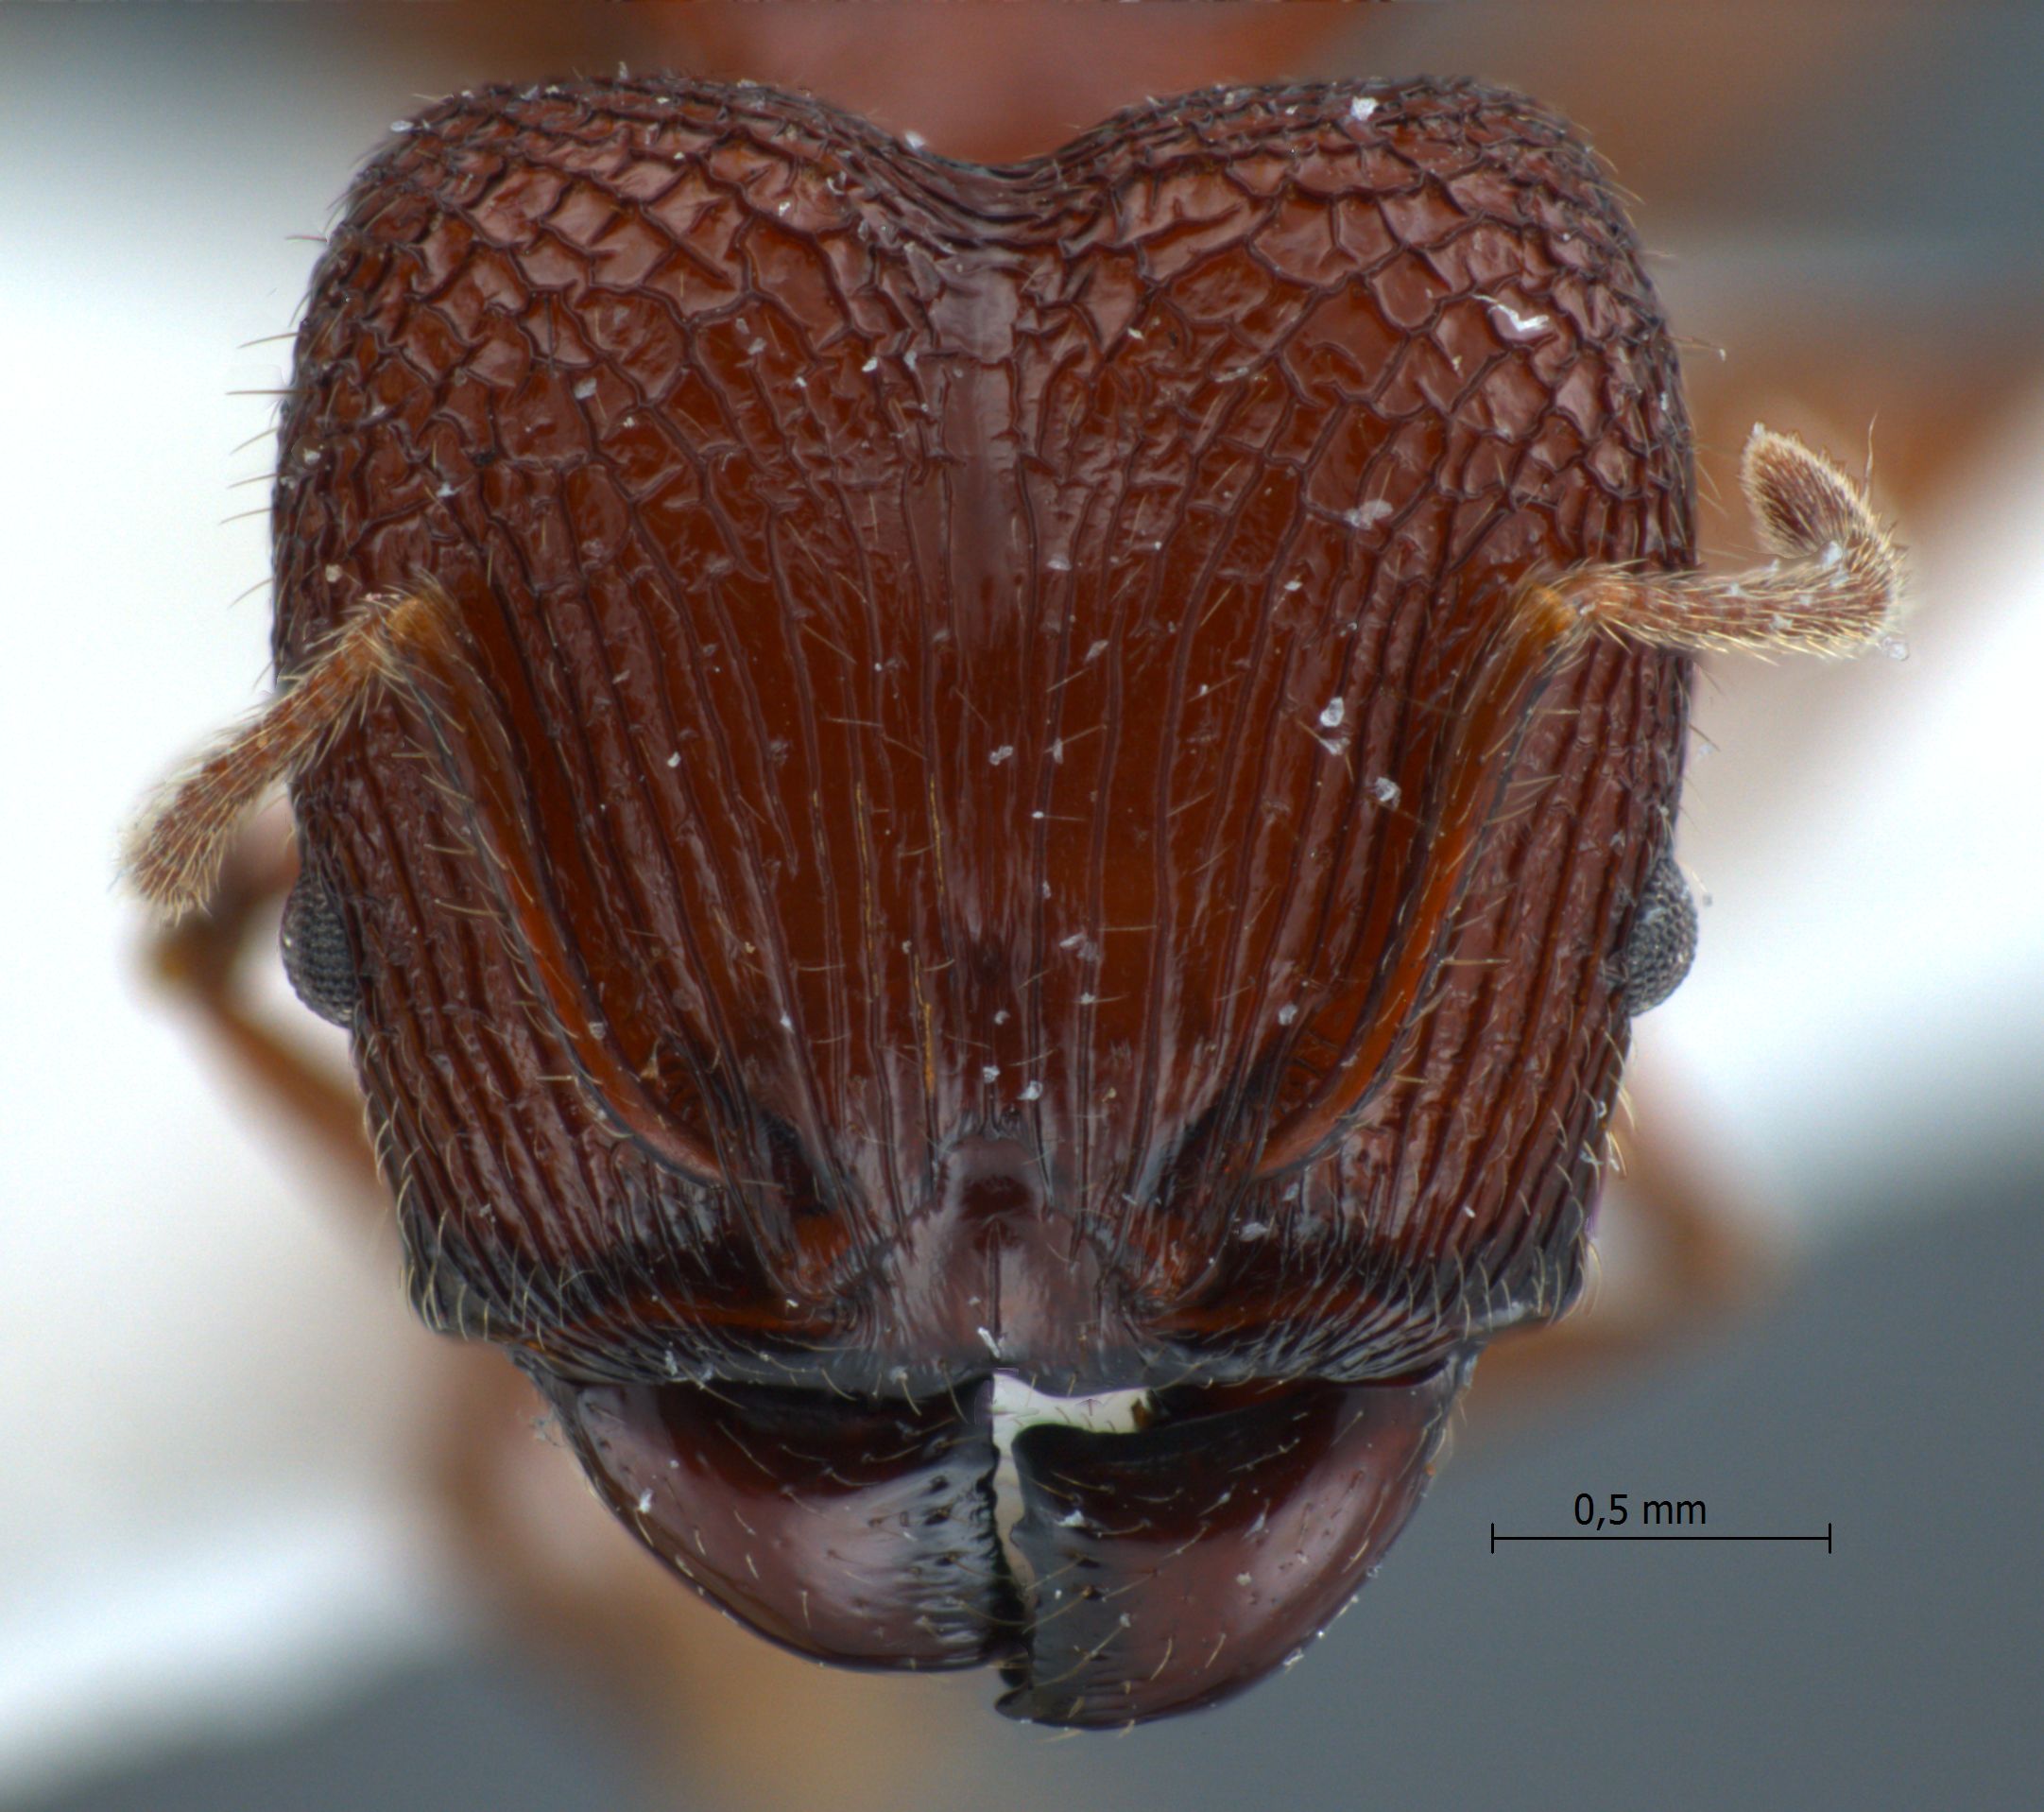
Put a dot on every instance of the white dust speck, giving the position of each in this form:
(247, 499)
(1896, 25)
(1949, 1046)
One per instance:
(989, 1072)
(332, 574)
(1002, 1017)
(1894, 648)
(401, 126)
(585, 388)
(1058, 563)
(870, 365)
(915, 141)
(1032, 1090)
(1513, 321)
(1362, 107)
(787, 1024)
(1245, 1579)
(646, 1500)
(1332, 713)
(1385, 790)
(1363, 515)
(1288, 1012)
(309, 456)
(1000, 754)
(1295, 585)
(675, 760)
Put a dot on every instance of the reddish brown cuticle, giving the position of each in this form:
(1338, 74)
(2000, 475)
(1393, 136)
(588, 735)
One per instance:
(985, 792)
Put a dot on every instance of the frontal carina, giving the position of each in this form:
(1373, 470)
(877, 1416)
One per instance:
(936, 778)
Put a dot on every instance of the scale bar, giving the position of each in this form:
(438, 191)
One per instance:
(1496, 1538)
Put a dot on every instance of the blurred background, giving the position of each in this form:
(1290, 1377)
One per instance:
(267, 1542)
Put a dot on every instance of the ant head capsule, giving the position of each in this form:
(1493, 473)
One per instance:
(947, 780)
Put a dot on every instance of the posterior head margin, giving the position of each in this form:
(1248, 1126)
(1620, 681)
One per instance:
(1835, 587)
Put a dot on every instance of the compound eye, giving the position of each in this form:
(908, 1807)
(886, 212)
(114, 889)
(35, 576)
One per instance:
(317, 958)
(1662, 943)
